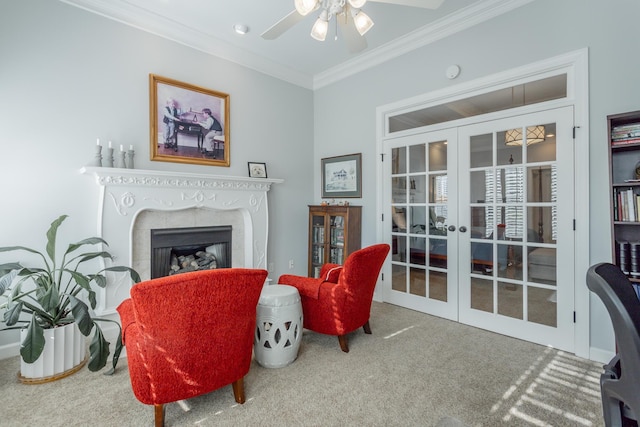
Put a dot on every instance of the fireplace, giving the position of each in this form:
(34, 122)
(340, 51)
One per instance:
(133, 201)
(181, 250)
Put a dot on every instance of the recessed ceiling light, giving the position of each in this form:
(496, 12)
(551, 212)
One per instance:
(241, 29)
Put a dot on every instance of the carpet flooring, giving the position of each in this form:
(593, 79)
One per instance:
(415, 370)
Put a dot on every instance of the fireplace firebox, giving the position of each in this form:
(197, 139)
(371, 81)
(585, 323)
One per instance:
(184, 249)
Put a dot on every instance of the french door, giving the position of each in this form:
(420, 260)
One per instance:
(482, 225)
(422, 174)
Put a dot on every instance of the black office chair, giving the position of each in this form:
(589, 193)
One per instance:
(620, 381)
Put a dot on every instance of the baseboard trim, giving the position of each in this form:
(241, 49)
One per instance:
(600, 355)
(9, 350)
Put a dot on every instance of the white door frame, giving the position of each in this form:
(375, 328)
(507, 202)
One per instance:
(575, 66)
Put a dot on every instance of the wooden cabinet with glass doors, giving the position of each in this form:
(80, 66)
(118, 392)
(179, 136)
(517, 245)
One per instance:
(624, 143)
(334, 233)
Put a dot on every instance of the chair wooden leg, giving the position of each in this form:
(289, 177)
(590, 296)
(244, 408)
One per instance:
(238, 390)
(342, 339)
(367, 328)
(159, 415)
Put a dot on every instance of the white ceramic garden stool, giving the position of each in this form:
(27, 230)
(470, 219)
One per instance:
(278, 326)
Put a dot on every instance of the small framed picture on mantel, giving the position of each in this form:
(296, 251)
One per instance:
(257, 170)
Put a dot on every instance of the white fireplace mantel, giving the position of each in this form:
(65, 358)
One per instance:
(125, 193)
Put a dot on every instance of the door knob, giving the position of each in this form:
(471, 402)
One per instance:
(463, 229)
(452, 228)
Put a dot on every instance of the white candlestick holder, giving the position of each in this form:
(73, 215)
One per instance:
(130, 155)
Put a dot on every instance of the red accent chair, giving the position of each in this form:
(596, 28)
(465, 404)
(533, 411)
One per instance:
(189, 334)
(339, 302)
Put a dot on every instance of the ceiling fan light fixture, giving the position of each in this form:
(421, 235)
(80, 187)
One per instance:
(514, 137)
(357, 4)
(320, 28)
(304, 7)
(362, 22)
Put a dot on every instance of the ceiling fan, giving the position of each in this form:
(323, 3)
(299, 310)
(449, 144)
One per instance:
(350, 18)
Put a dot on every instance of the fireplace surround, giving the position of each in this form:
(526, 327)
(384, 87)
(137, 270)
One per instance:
(133, 201)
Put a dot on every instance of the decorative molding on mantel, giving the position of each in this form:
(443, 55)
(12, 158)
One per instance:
(126, 193)
(151, 178)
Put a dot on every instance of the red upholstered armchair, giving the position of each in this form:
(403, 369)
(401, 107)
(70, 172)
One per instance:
(189, 334)
(339, 302)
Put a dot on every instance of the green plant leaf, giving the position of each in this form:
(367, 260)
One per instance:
(116, 354)
(99, 279)
(132, 273)
(81, 315)
(12, 315)
(6, 281)
(51, 237)
(43, 283)
(15, 292)
(18, 248)
(26, 272)
(91, 255)
(8, 267)
(50, 299)
(98, 351)
(80, 279)
(44, 318)
(92, 299)
(90, 241)
(33, 344)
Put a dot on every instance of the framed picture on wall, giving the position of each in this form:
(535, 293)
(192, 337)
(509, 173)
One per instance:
(342, 176)
(189, 124)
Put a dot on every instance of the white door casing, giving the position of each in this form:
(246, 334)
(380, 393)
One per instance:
(575, 66)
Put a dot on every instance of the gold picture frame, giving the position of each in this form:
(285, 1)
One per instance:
(188, 123)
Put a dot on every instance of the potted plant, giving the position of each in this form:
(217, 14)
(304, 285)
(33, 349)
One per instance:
(53, 294)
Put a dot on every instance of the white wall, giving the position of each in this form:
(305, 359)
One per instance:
(68, 77)
(540, 30)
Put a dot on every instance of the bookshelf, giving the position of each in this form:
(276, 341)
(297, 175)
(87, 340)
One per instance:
(334, 232)
(624, 163)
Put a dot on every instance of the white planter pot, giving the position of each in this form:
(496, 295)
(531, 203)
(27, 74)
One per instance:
(64, 353)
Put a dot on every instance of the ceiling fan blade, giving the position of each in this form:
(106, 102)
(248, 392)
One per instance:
(426, 4)
(277, 29)
(355, 42)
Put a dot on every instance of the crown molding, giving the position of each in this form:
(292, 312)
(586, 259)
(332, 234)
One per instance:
(150, 22)
(461, 20)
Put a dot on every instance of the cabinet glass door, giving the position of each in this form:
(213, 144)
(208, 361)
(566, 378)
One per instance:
(336, 244)
(423, 259)
(318, 231)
